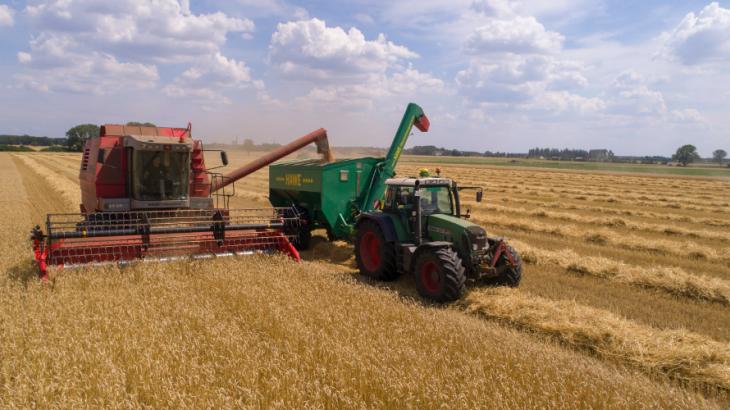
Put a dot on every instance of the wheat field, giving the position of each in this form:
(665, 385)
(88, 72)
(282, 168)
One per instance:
(624, 303)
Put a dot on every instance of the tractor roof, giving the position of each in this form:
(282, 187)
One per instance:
(412, 181)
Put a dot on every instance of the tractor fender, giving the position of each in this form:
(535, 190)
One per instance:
(410, 256)
(385, 222)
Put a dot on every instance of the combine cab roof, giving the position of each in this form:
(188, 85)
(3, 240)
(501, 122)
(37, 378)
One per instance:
(412, 181)
(111, 130)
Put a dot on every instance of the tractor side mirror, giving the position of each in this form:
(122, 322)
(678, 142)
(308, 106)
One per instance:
(479, 196)
(224, 158)
(403, 198)
(468, 214)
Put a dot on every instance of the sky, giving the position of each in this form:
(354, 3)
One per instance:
(637, 77)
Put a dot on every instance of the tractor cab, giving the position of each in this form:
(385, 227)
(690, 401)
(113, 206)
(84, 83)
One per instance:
(437, 195)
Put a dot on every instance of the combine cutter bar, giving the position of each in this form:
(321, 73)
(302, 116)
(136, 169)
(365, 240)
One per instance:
(75, 239)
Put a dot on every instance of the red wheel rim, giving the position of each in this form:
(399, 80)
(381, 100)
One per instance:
(369, 251)
(430, 277)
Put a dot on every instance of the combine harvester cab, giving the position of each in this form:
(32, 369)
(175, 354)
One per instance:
(148, 196)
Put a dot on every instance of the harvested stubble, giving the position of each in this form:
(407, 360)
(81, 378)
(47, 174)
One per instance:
(265, 332)
(681, 355)
(603, 221)
(669, 279)
(70, 192)
(622, 212)
(610, 238)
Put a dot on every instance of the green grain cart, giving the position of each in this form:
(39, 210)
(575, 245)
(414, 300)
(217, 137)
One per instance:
(332, 194)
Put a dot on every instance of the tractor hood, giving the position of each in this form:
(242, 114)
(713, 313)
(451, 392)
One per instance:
(468, 237)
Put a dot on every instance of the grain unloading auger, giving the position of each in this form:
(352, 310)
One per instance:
(148, 196)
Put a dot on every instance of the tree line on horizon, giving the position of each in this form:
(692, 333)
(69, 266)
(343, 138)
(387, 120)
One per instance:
(76, 139)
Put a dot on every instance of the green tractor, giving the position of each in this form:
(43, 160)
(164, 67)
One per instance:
(420, 230)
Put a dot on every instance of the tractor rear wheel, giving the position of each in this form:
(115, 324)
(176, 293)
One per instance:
(304, 230)
(508, 277)
(374, 256)
(439, 275)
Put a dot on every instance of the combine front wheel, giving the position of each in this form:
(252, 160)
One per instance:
(440, 275)
(374, 256)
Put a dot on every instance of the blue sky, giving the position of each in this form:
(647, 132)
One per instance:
(640, 78)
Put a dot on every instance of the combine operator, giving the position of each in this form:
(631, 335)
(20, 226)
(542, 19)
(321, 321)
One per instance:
(161, 177)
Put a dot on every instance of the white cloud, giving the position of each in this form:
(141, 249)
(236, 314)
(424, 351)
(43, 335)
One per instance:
(699, 39)
(301, 14)
(640, 101)
(518, 36)
(494, 8)
(687, 116)
(208, 77)
(518, 81)
(96, 73)
(99, 47)
(6, 16)
(310, 51)
(138, 30)
(628, 78)
(406, 83)
(364, 18)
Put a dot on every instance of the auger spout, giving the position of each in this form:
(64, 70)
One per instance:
(318, 137)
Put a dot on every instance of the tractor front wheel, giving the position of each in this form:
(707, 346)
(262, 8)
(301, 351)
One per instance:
(508, 277)
(374, 256)
(439, 275)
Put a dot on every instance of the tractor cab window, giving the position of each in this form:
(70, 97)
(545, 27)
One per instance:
(436, 200)
(160, 175)
(407, 208)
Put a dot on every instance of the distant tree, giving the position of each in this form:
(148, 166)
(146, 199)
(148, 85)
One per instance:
(141, 124)
(686, 154)
(719, 156)
(455, 153)
(78, 135)
(248, 146)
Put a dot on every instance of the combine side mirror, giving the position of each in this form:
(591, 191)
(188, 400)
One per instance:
(224, 158)
(479, 196)
(403, 198)
(100, 156)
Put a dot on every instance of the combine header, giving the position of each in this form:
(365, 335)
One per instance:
(147, 195)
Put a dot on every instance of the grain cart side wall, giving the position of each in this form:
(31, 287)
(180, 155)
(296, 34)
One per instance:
(331, 192)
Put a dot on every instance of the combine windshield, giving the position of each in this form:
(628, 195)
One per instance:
(160, 175)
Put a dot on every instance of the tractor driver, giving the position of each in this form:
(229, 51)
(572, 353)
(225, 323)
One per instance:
(156, 176)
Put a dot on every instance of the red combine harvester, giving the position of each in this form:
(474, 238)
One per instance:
(146, 194)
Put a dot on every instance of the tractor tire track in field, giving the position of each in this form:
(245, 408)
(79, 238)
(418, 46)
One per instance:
(68, 191)
(42, 198)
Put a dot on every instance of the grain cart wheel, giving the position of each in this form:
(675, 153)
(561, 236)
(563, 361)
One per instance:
(508, 277)
(439, 275)
(374, 256)
(304, 230)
